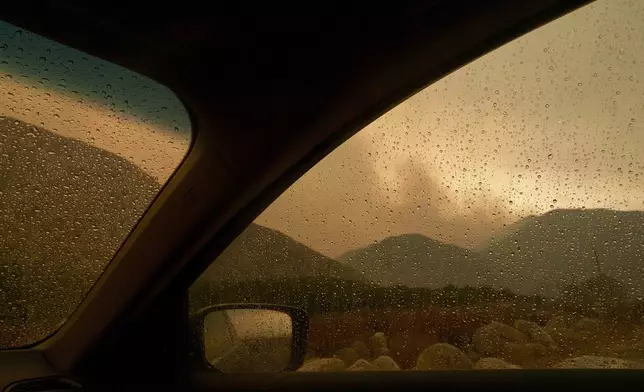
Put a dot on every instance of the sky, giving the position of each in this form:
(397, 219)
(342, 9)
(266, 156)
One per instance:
(76, 95)
(554, 119)
(551, 120)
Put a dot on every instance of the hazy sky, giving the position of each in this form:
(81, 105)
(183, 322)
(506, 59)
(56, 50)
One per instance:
(551, 120)
(79, 96)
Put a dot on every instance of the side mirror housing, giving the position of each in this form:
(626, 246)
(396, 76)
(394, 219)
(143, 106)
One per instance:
(250, 338)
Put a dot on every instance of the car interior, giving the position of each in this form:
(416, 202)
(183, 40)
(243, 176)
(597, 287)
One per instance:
(267, 91)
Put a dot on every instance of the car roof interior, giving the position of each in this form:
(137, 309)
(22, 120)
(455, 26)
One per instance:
(271, 89)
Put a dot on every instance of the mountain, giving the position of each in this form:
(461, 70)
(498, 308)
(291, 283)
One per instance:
(414, 260)
(260, 253)
(546, 253)
(65, 208)
(542, 255)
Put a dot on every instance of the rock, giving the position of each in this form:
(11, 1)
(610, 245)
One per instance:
(558, 335)
(461, 340)
(560, 321)
(348, 355)
(362, 365)
(589, 326)
(382, 352)
(524, 353)
(630, 331)
(361, 348)
(406, 347)
(571, 342)
(443, 356)
(593, 362)
(472, 354)
(600, 309)
(323, 365)
(378, 340)
(386, 363)
(494, 363)
(534, 331)
(541, 317)
(490, 339)
(627, 352)
(580, 335)
(378, 343)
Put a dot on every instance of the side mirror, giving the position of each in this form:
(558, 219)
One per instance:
(251, 338)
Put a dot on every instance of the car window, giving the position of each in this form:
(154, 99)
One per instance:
(85, 146)
(493, 220)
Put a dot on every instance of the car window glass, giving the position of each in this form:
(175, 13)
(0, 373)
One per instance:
(85, 146)
(493, 220)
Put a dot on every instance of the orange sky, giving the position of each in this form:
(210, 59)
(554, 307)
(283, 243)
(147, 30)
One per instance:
(155, 149)
(79, 96)
(551, 120)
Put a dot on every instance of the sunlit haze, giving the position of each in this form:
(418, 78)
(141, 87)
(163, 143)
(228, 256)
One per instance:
(551, 120)
(75, 95)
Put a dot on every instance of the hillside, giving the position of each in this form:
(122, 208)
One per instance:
(537, 255)
(543, 254)
(414, 260)
(265, 265)
(65, 208)
(260, 253)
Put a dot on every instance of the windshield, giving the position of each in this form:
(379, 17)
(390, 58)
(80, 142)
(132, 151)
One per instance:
(85, 146)
(493, 220)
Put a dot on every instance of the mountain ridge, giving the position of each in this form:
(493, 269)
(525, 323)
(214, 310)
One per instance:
(246, 258)
(387, 262)
(538, 254)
